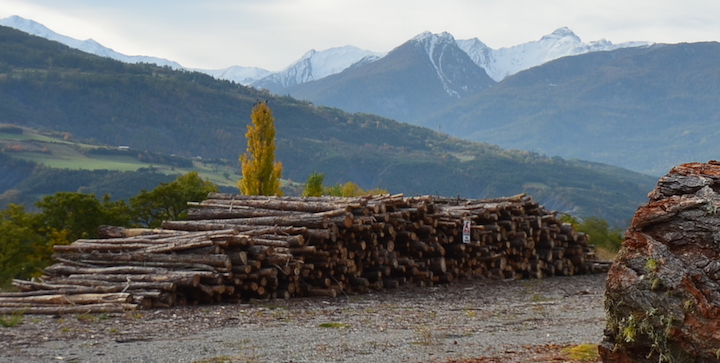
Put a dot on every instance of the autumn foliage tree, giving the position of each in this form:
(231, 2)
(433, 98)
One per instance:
(351, 189)
(260, 173)
(314, 185)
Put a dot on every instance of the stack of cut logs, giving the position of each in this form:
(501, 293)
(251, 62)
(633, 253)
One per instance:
(235, 248)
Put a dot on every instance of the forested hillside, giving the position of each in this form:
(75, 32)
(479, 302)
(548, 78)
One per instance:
(13, 171)
(49, 86)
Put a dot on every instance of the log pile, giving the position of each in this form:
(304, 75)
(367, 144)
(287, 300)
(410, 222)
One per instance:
(234, 248)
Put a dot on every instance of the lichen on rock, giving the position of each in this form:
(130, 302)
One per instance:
(663, 291)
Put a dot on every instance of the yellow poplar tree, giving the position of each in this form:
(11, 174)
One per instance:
(260, 172)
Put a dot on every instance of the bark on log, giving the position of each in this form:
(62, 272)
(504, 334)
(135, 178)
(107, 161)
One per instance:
(77, 309)
(239, 212)
(303, 205)
(74, 299)
(122, 232)
(179, 259)
(187, 278)
(304, 220)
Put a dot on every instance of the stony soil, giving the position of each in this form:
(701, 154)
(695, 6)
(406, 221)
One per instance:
(469, 322)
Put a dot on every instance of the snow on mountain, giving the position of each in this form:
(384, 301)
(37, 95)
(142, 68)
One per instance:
(503, 62)
(315, 65)
(442, 51)
(238, 74)
(242, 75)
(89, 45)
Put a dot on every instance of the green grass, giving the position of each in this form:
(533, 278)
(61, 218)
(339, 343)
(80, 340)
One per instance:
(28, 136)
(583, 353)
(9, 321)
(62, 154)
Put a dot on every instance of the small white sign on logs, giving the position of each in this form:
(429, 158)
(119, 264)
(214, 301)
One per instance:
(466, 231)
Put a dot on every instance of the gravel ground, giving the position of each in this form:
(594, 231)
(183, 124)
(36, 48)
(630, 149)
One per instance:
(471, 321)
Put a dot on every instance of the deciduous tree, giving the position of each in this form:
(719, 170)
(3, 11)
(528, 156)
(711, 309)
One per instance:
(351, 189)
(314, 185)
(19, 241)
(78, 214)
(260, 173)
(601, 233)
(168, 201)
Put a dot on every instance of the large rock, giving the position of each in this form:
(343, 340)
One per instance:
(663, 291)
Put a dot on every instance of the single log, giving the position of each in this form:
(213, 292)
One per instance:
(308, 220)
(73, 299)
(210, 260)
(63, 269)
(181, 278)
(72, 290)
(194, 243)
(291, 240)
(30, 288)
(437, 265)
(76, 309)
(279, 259)
(128, 285)
(270, 242)
(236, 212)
(279, 204)
(102, 247)
(122, 232)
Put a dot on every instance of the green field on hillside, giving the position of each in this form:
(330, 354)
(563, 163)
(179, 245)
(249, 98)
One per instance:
(54, 152)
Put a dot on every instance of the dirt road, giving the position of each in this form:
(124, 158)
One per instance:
(470, 321)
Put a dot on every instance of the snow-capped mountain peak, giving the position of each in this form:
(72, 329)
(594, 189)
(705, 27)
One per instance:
(313, 65)
(424, 36)
(28, 26)
(503, 62)
(89, 45)
(435, 46)
(431, 41)
(560, 33)
(242, 75)
(334, 60)
(317, 64)
(452, 66)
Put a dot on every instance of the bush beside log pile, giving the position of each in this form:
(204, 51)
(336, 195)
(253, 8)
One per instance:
(234, 248)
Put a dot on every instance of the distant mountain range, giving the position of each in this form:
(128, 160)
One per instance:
(314, 65)
(47, 86)
(645, 107)
(89, 45)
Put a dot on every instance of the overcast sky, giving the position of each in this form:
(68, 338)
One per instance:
(271, 34)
